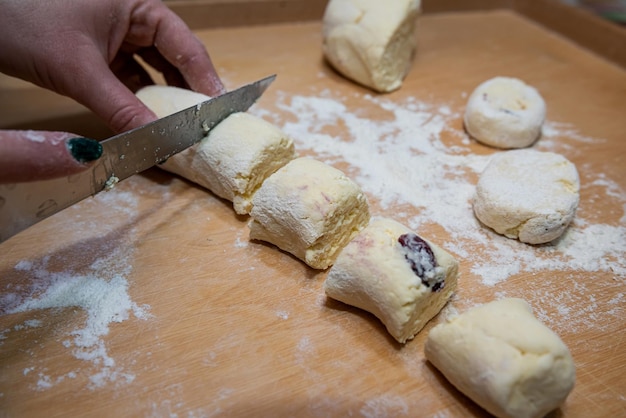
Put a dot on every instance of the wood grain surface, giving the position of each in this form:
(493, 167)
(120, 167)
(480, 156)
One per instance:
(220, 326)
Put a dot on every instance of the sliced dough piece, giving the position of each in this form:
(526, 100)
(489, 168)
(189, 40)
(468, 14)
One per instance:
(505, 112)
(527, 195)
(504, 359)
(308, 209)
(236, 156)
(370, 41)
(391, 272)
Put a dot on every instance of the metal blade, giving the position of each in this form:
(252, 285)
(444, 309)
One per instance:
(24, 204)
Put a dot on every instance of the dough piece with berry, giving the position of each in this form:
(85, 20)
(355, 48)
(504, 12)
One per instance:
(393, 273)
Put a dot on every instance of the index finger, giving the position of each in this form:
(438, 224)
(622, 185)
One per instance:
(177, 43)
(40, 155)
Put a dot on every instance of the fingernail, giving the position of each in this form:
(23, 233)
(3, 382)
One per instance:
(84, 150)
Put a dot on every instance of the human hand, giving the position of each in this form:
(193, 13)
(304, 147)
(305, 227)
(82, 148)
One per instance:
(84, 49)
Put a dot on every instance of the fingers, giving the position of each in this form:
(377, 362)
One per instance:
(171, 74)
(99, 89)
(41, 155)
(84, 60)
(165, 42)
(175, 41)
(130, 72)
(119, 106)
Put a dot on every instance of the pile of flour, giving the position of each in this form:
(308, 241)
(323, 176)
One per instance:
(101, 291)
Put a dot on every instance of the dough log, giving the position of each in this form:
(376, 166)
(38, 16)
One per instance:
(391, 272)
(504, 359)
(236, 156)
(370, 41)
(308, 209)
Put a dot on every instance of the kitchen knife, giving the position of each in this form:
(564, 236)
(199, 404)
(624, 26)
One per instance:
(24, 204)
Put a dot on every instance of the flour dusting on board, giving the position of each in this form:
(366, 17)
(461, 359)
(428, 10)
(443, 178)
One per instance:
(415, 155)
(392, 406)
(56, 282)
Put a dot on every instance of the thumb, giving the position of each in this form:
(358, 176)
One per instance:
(41, 155)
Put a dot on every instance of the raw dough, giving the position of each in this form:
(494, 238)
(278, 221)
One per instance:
(164, 101)
(505, 113)
(374, 272)
(370, 41)
(529, 195)
(504, 359)
(308, 209)
(236, 156)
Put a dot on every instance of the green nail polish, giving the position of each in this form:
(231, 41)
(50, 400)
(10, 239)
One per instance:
(84, 150)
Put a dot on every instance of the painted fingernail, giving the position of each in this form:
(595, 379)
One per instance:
(84, 150)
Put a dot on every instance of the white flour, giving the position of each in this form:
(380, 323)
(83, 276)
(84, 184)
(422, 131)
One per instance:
(103, 297)
(414, 163)
(413, 158)
(402, 160)
(38, 136)
(34, 136)
(101, 291)
(383, 406)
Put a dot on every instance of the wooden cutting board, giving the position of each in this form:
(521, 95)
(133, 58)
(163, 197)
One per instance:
(201, 322)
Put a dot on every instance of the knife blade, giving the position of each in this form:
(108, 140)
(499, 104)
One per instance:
(24, 204)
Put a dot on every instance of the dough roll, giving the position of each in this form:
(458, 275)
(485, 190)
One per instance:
(371, 41)
(310, 210)
(234, 158)
(504, 359)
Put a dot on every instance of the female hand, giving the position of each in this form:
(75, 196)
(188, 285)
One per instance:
(85, 49)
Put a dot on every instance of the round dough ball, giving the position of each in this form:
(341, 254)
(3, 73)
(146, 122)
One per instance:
(505, 113)
(504, 359)
(528, 195)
